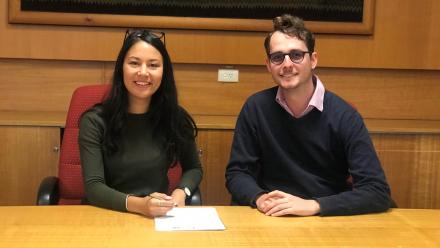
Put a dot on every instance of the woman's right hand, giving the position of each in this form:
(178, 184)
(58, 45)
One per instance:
(156, 204)
(159, 204)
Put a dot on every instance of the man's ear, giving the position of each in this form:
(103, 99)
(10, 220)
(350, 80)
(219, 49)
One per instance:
(314, 59)
(268, 65)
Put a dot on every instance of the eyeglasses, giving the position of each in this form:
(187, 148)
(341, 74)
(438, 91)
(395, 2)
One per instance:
(296, 56)
(143, 33)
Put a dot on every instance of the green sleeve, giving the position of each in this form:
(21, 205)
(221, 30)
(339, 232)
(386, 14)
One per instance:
(191, 166)
(90, 138)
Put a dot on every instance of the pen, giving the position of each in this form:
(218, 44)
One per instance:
(157, 198)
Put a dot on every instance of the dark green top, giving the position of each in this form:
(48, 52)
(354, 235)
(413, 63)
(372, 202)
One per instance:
(139, 167)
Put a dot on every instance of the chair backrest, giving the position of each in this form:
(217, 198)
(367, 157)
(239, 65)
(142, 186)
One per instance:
(71, 187)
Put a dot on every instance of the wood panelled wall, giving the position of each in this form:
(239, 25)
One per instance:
(46, 85)
(27, 155)
(411, 163)
(392, 77)
(405, 37)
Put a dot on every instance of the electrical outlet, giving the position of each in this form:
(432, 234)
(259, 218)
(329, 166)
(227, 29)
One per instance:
(228, 75)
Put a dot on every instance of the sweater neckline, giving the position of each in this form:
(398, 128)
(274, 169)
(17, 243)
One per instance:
(138, 116)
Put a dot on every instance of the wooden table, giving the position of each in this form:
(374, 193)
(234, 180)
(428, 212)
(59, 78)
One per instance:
(87, 226)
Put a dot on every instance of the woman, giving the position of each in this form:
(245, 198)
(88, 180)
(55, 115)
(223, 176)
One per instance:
(129, 141)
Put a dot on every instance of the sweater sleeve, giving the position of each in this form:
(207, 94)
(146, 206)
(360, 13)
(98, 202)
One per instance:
(370, 192)
(90, 139)
(191, 167)
(242, 169)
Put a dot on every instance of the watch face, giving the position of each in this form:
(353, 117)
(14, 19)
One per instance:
(187, 192)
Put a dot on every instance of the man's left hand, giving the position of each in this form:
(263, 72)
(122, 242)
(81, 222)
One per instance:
(286, 204)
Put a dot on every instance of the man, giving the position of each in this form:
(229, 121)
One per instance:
(297, 147)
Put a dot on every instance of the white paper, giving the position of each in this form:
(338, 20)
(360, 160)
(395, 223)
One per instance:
(189, 219)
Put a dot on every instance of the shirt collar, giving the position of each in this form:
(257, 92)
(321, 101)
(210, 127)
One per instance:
(317, 100)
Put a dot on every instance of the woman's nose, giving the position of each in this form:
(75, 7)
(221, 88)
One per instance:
(142, 71)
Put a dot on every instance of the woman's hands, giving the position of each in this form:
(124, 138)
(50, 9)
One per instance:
(156, 204)
(179, 197)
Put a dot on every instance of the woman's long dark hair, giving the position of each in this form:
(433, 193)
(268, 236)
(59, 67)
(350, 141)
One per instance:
(169, 119)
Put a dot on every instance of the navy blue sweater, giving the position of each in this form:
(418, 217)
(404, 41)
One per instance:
(310, 157)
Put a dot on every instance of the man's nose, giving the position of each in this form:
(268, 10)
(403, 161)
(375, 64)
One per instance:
(287, 61)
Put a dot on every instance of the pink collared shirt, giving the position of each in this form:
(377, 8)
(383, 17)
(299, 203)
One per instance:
(317, 100)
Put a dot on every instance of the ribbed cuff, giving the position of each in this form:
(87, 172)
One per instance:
(253, 203)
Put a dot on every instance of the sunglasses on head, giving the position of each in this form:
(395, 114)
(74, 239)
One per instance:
(142, 33)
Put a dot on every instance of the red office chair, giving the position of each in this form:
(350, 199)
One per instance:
(68, 188)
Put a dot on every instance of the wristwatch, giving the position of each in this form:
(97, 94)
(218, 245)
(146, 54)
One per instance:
(186, 190)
